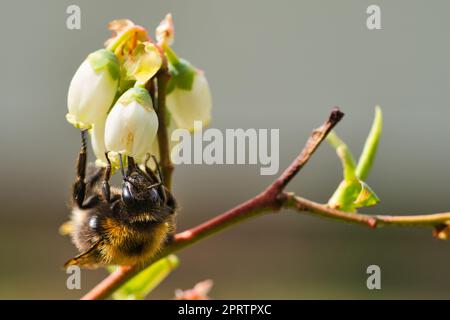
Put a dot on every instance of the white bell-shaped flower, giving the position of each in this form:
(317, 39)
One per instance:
(97, 132)
(92, 89)
(187, 105)
(132, 124)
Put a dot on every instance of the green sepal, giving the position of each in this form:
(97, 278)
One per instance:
(182, 72)
(366, 196)
(185, 75)
(138, 94)
(105, 60)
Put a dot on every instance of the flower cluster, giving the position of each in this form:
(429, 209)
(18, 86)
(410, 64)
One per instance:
(113, 93)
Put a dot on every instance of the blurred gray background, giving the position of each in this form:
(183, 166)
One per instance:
(278, 64)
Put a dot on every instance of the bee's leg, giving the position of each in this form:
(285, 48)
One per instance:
(131, 166)
(148, 170)
(106, 189)
(165, 193)
(161, 188)
(148, 174)
(158, 169)
(79, 187)
(90, 202)
(94, 174)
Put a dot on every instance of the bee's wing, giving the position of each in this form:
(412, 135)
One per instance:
(88, 259)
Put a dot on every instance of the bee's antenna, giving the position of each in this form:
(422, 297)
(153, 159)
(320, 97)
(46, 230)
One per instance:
(131, 165)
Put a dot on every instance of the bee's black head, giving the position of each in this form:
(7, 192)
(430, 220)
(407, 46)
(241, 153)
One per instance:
(145, 197)
(140, 193)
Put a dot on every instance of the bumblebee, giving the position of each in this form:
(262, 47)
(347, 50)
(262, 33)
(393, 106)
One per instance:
(112, 226)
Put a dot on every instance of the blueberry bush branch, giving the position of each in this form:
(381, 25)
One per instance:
(435, 220)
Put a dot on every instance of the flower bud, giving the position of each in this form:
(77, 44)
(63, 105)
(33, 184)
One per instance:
(92, 89)
(189, 99)
(132, 124)
(165, 32)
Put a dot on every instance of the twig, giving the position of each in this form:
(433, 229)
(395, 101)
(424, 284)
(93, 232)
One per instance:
(163, 77)
(291, 201)
(316, 138)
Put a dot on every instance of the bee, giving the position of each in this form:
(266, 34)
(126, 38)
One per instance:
(112, 226)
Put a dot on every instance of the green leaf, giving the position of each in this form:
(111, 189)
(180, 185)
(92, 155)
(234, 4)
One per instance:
(351, 195)
(142, 284)
(366, 196)
(370, 148)
(344, 196)
(352, 192)
(346, 157)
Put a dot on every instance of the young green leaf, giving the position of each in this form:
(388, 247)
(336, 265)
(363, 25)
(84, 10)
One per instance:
(351, 195)
(353, 192)
(346, 157)
(344, 196)
(348, 189)
(147, 280)
(370, 148)
(366, 196)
